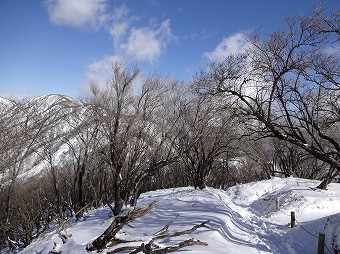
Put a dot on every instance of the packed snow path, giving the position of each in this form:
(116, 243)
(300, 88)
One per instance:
(230, 225)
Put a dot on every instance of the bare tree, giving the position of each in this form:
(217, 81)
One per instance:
(83, 141)
(208, 137)
(20, 140)
(139, 141)
(287, 85)
(152, 141)
(112, 109)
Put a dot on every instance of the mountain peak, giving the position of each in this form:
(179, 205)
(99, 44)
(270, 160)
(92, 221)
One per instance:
(6, 102)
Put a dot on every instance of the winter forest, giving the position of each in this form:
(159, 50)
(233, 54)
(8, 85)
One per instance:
(270, 111)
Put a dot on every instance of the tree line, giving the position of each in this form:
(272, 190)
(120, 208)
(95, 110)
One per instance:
(269, 111)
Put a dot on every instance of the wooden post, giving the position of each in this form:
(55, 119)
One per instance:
(292, 219)
(321, 244)
(277, 202)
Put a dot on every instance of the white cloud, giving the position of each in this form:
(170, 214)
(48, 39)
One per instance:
(121, 23)
(142, 45)
(77, 13)
(98, 72)
(100, 69)
(118, 30)
(131, 43)
(234, 44)
(147, 44)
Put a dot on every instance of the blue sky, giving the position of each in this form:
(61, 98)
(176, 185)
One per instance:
(60, 46)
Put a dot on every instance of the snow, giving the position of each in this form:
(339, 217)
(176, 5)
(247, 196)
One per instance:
(248, 218)
(47, 103)
(6, 103)
(59, 126)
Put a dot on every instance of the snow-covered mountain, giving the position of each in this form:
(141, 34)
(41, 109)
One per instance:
(249, 218)
(6, 103)
(50, 102)
(43, 122)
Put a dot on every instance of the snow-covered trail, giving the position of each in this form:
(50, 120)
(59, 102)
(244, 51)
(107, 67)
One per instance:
(231, 229)
(238, 223)
(230, 226)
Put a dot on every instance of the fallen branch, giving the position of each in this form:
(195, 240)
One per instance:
(163, 233)
(117, 224)
(181, 245)
(126, 248)
(165, 229)
(147, 248)
(184, 232)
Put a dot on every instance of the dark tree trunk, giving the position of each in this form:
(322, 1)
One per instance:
(328, 179)
(118, 202)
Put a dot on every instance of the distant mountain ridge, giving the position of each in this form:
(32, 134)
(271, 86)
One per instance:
(6, 102)
(47, 120)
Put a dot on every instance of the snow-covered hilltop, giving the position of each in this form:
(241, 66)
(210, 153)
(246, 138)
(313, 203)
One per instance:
(248, 218)
(6, 102)
(48, 102)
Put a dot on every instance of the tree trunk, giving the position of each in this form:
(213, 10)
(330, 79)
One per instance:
(80, 199)
(118, 223)
(328, 179)
(117, 194)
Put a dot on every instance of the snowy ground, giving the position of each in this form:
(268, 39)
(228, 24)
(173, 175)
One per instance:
(243, 219)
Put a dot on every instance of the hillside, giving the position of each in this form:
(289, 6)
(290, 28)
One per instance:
(243, 219)
(5, 103)
(47, 120)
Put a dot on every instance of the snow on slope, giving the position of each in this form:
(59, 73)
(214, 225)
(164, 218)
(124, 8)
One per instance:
(47, 102)
(6, 103)
(242, 219)
(55, 113)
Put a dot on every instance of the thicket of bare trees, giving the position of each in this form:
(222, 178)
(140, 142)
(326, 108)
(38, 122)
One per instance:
(287, 86)
(209, 139)
(272, 110)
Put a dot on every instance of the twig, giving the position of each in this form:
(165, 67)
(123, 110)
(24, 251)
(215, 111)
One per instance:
(165, 229)
(187, 231)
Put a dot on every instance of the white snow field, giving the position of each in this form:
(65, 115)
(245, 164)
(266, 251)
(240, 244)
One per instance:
(248, 218)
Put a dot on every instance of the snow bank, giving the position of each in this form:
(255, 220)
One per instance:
(271, 201)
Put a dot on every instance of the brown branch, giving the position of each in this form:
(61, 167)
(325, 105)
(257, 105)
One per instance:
(181, 245)
(165, 229)
(163, 233)
(102, 241)
(147, 248)
(135, 249)
(117, 224)
(187, 231)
